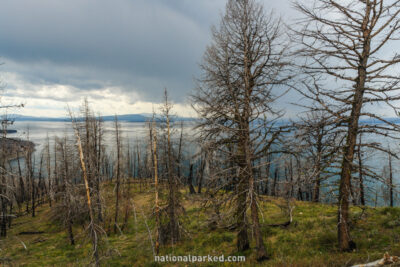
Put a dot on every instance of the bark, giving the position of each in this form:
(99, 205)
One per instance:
(390, 181)
(190, 180)
(360, 175)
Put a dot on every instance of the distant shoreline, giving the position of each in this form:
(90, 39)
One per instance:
(121, 118)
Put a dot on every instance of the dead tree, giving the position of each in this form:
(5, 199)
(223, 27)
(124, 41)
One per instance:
(153, 141)
(342, 43)
(66, 210)
(318, 142)
(48, 171)
(390, 180)
(92, 144)
(118, 169)
(170, 228)
(360, 173)
(202, 169)
(93, 226)
(241, 70)
(190, 179)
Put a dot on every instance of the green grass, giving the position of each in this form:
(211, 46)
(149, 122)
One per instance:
(309, 241)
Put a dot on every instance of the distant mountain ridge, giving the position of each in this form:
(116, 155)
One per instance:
(143, 117)
(122, 118)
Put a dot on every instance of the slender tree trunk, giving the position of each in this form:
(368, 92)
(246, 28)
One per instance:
(390, 180)
(117, 193)
(93, 231)
(157, 208)
(275, 180)
(48, 165)
(267, 173)
(180, 152)
(318, 168)
(21, 181)
(70, 232)
(190, 180)
(30, 170)
(360, 175)
(202, 169)
(172, 194)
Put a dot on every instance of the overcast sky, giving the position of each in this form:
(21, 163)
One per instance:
(120, 54)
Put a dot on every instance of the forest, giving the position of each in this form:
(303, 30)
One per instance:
(242, 184)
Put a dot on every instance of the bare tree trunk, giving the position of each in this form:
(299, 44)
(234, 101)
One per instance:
(190, 180)
(390, 180)
(273, 193)
(243, 242)
(55, 170)
(48, 165)
(93, 231)
(172, 187)
(318, 169)
(260, 247)
(32, 180)
(117, 192)
(155, 170)
(179, 158)
(202, 169)
(360, 174)
(21, 181)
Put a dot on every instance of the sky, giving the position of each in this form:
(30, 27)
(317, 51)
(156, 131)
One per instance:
(119, 54)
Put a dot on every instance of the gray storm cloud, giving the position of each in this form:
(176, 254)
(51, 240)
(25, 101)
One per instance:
(138, 46)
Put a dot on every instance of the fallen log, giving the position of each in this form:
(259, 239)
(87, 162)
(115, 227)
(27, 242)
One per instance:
(31, 233)
(386, 260)
(283, 225)
(38, 240)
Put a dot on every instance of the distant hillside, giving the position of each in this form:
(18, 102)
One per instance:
(123, 118)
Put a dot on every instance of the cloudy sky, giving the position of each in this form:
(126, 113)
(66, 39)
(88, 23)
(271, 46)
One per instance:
(120, 54)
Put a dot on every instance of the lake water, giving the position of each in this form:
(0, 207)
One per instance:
(131, 132)
(137, 132)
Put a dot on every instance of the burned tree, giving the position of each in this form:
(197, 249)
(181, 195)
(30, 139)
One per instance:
(244, 72)
(170, 225)
(118, 171)
(343, 45)
(317, 141)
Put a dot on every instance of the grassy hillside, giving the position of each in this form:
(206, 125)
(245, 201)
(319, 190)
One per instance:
(309, 241)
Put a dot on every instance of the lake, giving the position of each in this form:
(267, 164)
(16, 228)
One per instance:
(137, 133)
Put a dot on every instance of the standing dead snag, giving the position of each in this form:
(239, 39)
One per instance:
(117, 181)
(153, 138)
(93, 232)
(390, 180)
(48, 171)
(170, 228)
(360, 173)
(343, 45)
(243, 68)
(317, 141)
